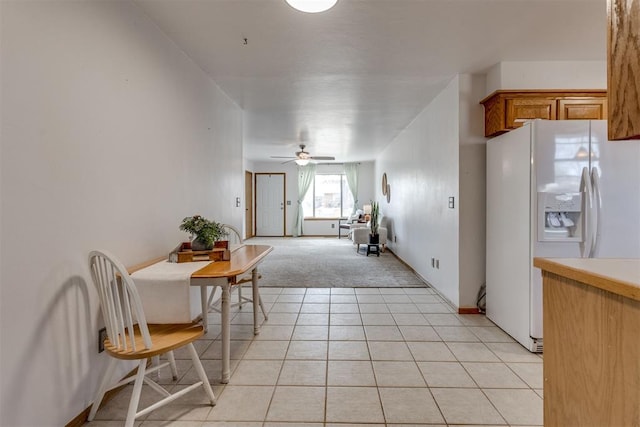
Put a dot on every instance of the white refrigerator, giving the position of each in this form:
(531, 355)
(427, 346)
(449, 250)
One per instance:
(554, 189)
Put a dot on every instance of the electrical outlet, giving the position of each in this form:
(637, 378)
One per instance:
(452, 202)
(433, 262)
(395, 239)
(333, 226)
(102, 335)
(438, 264)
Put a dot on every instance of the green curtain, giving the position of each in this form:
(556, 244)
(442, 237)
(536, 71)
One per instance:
(306, 174)
(351, 172)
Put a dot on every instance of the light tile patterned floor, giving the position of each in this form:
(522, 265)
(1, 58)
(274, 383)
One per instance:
(330, 357)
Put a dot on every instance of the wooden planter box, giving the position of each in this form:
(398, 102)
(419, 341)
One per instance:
(215, 254)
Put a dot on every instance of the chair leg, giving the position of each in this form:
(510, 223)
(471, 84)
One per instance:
(264, 312)
(135, 396)
(104, 383)
(240, 296)
(155, 361)
(172, 364)
(203, 376)
(210, 299)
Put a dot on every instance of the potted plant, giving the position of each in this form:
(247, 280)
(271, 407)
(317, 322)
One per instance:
(204, 233)
(374, 237)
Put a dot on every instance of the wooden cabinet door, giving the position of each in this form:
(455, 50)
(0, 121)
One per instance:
(623, 69)
(582, 109)
(521, 109)
(505, 110)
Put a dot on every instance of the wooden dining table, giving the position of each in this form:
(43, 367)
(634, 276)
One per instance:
(225, 273)
(244, 259)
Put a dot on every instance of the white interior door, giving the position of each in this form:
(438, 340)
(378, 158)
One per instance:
(270, 208)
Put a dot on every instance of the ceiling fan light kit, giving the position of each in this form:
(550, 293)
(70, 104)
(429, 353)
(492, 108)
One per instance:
(312, 6)
(303, 157)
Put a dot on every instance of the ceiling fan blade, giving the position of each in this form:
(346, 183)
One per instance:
(323, 158)
(283, 157)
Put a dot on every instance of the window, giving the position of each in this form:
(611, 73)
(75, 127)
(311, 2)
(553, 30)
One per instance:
(328, 197)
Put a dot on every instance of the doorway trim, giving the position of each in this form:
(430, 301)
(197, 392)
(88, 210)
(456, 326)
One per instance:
(249, 222)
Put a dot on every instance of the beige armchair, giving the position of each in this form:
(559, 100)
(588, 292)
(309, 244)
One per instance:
(360, 235)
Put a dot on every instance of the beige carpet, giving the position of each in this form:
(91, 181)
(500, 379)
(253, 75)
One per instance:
(330, 263)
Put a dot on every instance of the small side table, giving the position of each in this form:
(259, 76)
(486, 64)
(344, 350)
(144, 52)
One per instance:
(373, 248)
(343, 226)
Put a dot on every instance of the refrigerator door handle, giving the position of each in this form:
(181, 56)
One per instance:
(596, 210)
(587, 191)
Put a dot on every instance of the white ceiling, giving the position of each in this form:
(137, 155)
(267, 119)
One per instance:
(353, 77)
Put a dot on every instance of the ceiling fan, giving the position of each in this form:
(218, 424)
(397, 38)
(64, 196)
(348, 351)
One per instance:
(303, 157)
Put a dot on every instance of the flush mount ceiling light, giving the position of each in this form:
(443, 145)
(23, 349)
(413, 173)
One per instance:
(312, 6)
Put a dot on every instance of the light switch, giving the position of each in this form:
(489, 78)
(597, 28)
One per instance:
(237, 202)
(452, 202)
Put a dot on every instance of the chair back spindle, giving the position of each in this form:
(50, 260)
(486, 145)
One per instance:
(233, 234)
(120, 302)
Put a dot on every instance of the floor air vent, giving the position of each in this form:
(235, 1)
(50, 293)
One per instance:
(536, 346)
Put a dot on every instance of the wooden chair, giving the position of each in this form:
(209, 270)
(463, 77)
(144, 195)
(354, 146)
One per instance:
(213, 302)
(129, 337)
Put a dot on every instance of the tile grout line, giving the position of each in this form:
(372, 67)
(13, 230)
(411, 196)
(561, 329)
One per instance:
(375, 377)
(387, 339)
(275, 386)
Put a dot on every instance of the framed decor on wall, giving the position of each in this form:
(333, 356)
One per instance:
(386, 188)
(384, 184)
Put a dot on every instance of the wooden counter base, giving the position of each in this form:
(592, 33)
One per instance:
(591, 355)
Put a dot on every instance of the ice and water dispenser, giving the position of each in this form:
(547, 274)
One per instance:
(560, 217)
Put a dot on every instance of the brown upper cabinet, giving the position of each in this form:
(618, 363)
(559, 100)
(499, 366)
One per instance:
(623, 68)
(505, 110)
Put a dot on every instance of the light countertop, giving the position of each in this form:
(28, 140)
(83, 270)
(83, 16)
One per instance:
(620, 276)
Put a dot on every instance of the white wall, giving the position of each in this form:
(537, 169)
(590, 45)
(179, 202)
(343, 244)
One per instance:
(110, 136)
(471, 119)
(472, 177)
(313, 227)
(472, 206)
(547, 75)
(368, 184)
(422, 170)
